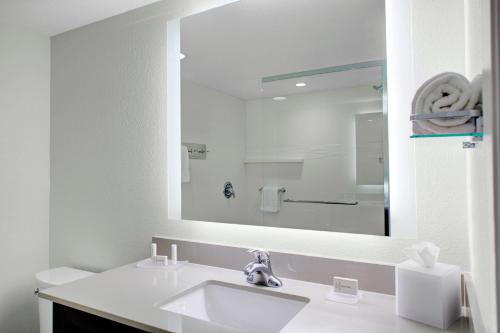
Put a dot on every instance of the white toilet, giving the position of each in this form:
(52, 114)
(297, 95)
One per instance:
(51, 278)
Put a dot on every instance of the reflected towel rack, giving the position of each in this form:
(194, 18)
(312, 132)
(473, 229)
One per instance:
(280, 190)
(348, 203)
(196, 151)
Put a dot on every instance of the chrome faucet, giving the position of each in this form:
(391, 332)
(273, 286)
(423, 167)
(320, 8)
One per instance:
(259, 271)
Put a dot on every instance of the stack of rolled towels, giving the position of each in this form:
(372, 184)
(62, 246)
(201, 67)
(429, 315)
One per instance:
(444, 93)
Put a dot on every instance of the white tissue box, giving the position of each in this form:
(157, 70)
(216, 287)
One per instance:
(428, 295)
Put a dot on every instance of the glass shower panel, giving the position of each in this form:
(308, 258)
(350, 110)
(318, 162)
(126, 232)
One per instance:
(315, 145)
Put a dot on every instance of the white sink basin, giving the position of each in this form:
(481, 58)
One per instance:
(243, 308)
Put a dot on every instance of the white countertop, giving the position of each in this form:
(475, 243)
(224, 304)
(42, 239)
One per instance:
(133, 296)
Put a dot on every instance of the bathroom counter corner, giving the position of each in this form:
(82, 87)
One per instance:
(133, 297)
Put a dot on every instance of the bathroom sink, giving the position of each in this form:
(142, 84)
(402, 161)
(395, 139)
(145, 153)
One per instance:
(248, 309)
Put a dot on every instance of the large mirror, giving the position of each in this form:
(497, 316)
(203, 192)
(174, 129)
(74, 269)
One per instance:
(284, 115)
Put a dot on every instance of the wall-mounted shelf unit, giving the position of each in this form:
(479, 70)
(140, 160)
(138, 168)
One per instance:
(475, 114)
(272, 160)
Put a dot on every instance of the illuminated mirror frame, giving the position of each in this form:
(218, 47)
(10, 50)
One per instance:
(403, 213)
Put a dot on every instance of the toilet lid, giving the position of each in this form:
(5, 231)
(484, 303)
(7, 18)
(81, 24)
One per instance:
(61, 275)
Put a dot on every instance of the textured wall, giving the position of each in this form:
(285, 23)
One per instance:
(107, 126)
(24, 174)
(108, 141)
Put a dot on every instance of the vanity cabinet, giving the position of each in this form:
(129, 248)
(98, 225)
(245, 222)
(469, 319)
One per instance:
(69, 320)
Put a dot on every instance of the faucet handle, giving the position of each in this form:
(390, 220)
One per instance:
(260, 255)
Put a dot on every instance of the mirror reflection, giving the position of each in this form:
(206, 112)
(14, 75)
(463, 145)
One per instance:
(284, 122)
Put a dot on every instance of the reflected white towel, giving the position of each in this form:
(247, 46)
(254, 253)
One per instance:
(185, 172)
(442, 93)
(270, 202)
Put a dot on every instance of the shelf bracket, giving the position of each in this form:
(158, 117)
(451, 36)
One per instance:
(468, 145)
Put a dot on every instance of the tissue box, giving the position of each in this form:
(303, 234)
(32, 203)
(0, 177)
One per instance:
(428, 295)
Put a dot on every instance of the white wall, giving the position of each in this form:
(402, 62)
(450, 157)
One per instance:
(108, 156)
(319, 128)
(217, 120)
(480, 172)
(108, 140)
(440, 168)
(24, 174)
(432, 53)
(107, 127)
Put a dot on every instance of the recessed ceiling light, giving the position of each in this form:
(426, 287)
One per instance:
(279, 98)
(300, 84)
(182, 56)
(370, 120)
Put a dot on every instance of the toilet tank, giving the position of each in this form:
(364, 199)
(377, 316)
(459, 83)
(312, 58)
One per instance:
(51, 278)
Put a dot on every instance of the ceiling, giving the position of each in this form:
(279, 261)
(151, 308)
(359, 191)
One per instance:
(52, 17)
(231, 48)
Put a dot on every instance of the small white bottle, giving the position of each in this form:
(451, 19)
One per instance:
(153, 252)
(173, 253)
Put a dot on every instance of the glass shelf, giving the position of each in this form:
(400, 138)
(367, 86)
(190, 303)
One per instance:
(473, 134)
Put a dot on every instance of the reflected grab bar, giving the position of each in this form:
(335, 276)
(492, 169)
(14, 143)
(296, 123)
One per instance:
(280, 190)
(351, 203)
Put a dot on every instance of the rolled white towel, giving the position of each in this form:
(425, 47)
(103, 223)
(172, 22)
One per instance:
(477, 89)
(442, 93)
